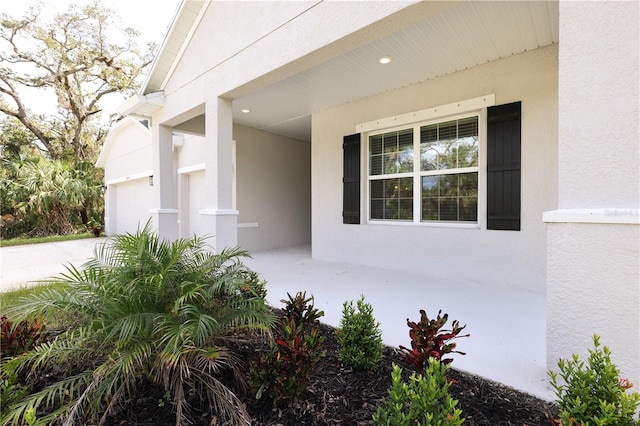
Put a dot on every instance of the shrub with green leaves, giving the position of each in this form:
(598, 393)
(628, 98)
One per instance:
(359, 336)
(144, 309)
(423, 400)
(593, 393)
(283, 372)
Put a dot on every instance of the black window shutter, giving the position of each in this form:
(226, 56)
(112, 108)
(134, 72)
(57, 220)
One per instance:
(503, 166)
(351, 180)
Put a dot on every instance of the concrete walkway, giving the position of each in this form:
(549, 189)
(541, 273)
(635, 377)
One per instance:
(25, 265)
(507, 327)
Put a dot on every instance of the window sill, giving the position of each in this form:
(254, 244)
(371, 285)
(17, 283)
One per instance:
(472, 225)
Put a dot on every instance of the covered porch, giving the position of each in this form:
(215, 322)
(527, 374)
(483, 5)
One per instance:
(507, 341)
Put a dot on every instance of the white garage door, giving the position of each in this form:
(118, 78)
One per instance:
(133, 202)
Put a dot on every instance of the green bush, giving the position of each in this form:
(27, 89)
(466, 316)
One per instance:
(423, 401)
(593, 394)
(144, 309)
(283, 372)
(359, 336)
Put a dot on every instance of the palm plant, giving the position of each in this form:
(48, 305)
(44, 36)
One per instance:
(144, 309)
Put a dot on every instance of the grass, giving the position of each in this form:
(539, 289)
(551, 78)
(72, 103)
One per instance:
(11, 298)
(50, 239)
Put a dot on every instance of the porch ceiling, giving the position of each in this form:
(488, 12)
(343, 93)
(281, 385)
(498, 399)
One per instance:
(463, 36)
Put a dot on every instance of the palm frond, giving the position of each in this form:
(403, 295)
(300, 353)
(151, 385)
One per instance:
(61, 396)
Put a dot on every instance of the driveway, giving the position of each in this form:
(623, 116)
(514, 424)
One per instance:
(25, 265)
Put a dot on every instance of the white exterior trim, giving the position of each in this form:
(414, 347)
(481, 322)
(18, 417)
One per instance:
(249, 225)
(219, 212)
(141, 175)
(625, 216)
(428, 114)
(163, 211)
(191, 169)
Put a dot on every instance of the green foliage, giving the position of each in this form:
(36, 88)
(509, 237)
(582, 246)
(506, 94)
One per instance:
(283, 372)
(144, 309)
(593, 394)
(16, 339)
(49, 197)
(430, 340)
(359, 336)
(423, 400)
(11, 391)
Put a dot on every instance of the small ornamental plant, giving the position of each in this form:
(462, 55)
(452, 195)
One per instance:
(16, 339)
(423, 400)
(593, 393)
(429, 340)
(359, 336)
(282, 373)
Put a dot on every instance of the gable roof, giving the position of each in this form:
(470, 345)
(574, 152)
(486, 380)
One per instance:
(184, 23)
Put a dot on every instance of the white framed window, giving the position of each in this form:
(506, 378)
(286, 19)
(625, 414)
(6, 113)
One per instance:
(426, 172)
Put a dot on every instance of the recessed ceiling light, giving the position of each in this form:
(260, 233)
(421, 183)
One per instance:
(246, 111)
(384, 60)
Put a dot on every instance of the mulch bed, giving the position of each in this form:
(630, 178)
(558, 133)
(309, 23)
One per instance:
(341, 396)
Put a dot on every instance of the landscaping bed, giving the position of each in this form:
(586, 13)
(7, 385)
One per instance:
(343, 396)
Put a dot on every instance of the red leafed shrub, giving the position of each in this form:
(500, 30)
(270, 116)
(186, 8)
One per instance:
(283, 372)
(17, 339)
(430, 340)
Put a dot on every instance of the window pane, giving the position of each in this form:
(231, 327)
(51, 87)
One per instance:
(392, 199)
(375, 164)
(391, 153)
(449, 145)
(375, 144)
(468, 152)
(447, 130)
(377, 210)
(452, 197)
(468, 127)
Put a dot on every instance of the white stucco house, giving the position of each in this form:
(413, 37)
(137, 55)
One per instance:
(495, 141)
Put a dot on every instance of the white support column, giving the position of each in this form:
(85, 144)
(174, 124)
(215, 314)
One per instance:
(165, 215)
(593, 240)
(183, 205)
(220, 217)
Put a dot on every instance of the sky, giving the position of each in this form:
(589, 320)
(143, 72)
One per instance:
(149, 17)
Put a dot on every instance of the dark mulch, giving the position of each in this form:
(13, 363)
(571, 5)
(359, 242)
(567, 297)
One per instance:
(341, 396)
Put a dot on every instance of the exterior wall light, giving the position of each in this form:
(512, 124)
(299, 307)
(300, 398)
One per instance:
(245, 111)
(384, 60)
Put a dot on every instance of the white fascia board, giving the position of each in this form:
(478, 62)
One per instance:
(136, 104)
(428, 114)
(185, 43)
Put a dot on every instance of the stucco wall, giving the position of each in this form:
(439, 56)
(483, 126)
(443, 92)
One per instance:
(191, 153)
(273, 190)
(594, 262)
(608, 105)
(514, 259)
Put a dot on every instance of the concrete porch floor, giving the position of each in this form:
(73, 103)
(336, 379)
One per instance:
(507, 327)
